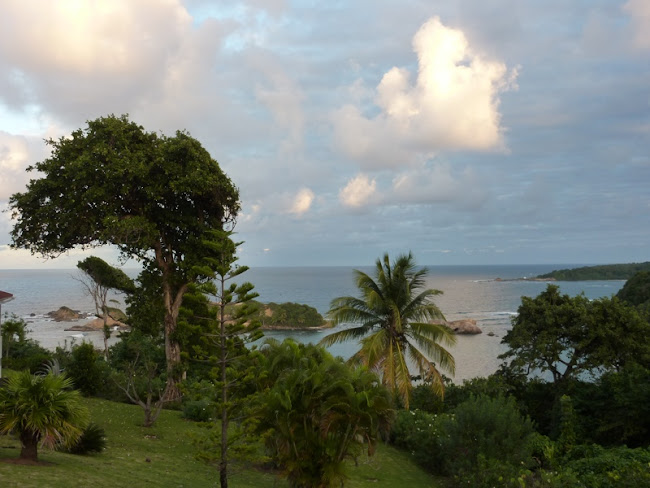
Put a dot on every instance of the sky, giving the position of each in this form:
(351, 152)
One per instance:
(467, 132)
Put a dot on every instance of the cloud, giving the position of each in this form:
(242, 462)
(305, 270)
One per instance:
(359, 191)
(283, 97)
(302, 202)
(453, 104)
(88, 57)
(438, 184)
(639, 11)
(14, 158)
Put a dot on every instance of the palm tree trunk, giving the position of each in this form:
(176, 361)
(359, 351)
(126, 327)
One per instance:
(29, 441)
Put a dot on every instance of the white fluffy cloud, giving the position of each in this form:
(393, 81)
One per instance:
(452, 104)
(639, 11)
(88, 57)
(359, 191)
(302, 202)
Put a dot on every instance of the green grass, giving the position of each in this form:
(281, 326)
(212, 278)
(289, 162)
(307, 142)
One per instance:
(163, 456)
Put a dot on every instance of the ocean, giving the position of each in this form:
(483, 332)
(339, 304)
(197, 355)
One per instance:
(469, 292)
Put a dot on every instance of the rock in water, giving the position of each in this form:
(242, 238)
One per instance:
(466, 326)
(64, 314)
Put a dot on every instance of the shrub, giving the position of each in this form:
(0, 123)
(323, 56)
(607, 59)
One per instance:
(27, 354)
(620, 467)
(199, 410)
(488, 428)
(86, 369)
(92, 440)
(419, 433)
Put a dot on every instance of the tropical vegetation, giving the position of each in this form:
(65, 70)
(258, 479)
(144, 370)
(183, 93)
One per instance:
(158, 199)
(599, 272)
(396, 323)
(41, 409)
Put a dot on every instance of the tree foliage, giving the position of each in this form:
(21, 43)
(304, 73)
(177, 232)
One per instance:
(102, 278)
(600, 272)
(636, 290)
(157, 198)
(570, 336)
(316, 411)
(398, 323)
(230, 327)
(41, 409)
(14, 330)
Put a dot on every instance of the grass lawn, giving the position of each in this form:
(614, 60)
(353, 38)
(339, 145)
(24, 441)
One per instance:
(163, 456)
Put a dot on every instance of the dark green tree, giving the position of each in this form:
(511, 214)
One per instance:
(224, 347)
(41, 409)
(636, 290)
(398, 323)
(13, 330)
(157, 198)
(101, 279)
(569, 336)
(315, 411)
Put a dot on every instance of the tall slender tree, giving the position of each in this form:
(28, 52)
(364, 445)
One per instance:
(225, 346)
(397, 323)
(157, 198)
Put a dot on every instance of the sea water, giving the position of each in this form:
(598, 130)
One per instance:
(469, 292)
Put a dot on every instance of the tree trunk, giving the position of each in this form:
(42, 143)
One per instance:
(173, 357)
(29, 450)
(223, 464)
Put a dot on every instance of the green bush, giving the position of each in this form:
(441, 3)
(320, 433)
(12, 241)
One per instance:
(92, 440)
(419, 433)
(27, 354)
(199, 410)
(619, 467)
(87, 369)
(491, 429)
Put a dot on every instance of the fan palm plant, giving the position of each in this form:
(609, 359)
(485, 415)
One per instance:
(41, 409)
(398, 323)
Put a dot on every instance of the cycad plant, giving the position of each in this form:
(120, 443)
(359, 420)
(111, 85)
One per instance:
(397, 323)
(41, 409)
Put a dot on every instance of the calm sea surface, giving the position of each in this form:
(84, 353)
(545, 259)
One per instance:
(468, 292)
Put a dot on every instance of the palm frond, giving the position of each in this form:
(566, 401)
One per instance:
(344, 335)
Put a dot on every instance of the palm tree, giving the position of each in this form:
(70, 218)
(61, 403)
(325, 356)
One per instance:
(398, 322)
(41, 409)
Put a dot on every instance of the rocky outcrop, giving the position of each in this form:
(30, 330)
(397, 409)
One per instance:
(65, 314)
(98, 324)
(466, 326)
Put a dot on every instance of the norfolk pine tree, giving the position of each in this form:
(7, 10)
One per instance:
(225, 349)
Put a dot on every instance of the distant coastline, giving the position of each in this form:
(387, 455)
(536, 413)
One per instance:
(600, 272)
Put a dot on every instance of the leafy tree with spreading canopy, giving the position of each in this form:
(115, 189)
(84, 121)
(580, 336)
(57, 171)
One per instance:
(157, 198)
(41, 409)
(102, 278)
(570, 336)
(398, 323)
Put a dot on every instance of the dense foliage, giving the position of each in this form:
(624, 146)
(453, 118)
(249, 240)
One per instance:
(315, 412)
(601, 272)
(289, 314)
(570, 336)
(157, 198)
(41, 409)
(396, 319)
(636, 290)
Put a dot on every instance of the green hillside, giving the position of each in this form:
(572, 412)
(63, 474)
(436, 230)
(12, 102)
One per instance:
(600, 272)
